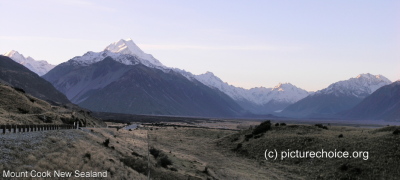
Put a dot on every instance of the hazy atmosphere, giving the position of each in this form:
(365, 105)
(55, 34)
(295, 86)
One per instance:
(310, 44)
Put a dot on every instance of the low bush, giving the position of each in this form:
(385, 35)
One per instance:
(87, 155)
(155, 152)
(136, 164)
(164, 161)
(19, 89)
(321, 126)
(23, 111)
(262, 128)
(396, 132)
(106, 142)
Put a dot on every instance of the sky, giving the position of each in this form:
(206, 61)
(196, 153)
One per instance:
(308, 43)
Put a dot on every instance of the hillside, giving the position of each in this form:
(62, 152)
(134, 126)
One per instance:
(19, 76)
(376, 150)
(17, 107)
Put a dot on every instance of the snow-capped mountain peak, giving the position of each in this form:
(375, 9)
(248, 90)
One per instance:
(127, 47)
(38, 67)
(370, 77)
(283, 92)
(124, 51)
(360, 86)
(283, 87)
(286, 92)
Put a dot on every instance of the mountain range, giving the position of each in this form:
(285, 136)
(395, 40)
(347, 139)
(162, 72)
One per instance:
(119, 80)
(257, 100)
(38, 67)
(124, 79)
(337, 97)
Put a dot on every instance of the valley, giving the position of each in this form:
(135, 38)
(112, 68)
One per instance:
(203, 150)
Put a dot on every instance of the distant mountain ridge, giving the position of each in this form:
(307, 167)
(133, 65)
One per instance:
(258, 100)
(17, 75)
(38, 67)
(337, 97)
(110, 86)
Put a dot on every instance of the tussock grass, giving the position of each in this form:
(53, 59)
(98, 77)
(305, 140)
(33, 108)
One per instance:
(381, 145)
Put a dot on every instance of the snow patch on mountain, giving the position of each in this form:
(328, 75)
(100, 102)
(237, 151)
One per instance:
(39, 67)
(360, 86)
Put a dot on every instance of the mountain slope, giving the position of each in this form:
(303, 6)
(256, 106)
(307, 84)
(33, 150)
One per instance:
(38, 67)
(337, 97)
(110, 86)
(384, 103)
(17, 107)
(17, 75)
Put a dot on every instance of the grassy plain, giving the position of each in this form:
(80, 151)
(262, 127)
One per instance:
(202, 152)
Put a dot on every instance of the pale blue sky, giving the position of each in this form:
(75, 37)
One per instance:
(310, 44)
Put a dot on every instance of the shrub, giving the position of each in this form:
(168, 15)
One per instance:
(321, 126)
(238, 146)
(106, 142)
(23, 111)
(248, 136)
(257, 136)
(19, 89)
(344, 167)
(135, 154)
(235, 139)
(263, 127)
(46, 119)
(136, 164)
(87, 155)
(396, 132)
(155, 152)
(283, 124)
(67, 120)
(340, 135)
(164, 161)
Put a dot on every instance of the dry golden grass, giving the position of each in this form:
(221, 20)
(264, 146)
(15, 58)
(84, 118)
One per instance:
(203, 153)
(19, 108)
(382, 147)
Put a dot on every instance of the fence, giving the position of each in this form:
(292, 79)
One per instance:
(31, 128)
